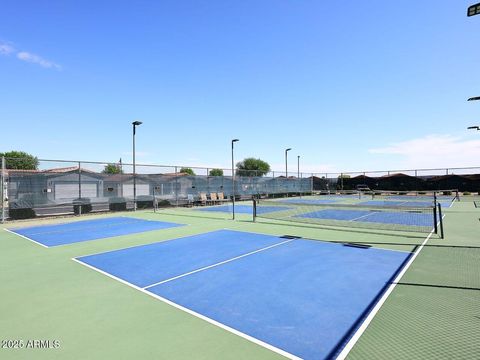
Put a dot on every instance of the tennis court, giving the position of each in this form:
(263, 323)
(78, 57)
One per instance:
(180, 281)
(354, 214)
(78, 231)
(298, 297)
(385, 217)
(405, 203)
(315, 201)
(242, 209)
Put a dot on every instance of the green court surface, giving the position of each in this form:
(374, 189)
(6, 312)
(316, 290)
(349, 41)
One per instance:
(433, 311)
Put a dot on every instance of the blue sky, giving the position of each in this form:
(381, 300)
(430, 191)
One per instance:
(349, 85)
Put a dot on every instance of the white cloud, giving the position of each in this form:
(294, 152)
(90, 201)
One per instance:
(6, 49)
(432, 151)
(35, 59)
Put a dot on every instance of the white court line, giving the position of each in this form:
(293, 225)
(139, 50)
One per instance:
(351, 343)
(360, 217)
(217, 264)
(23, 236)
(200, 316)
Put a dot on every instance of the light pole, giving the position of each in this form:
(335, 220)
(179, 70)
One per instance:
(298, 166)
(135, 124)
(286, 162)
(233, 183)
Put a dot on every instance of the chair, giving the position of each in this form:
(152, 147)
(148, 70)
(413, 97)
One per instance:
(213, 198)
(221, 197)
(203, 199)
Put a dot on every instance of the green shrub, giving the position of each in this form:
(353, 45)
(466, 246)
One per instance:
(466, 193)
(422, 192)
(447, 193)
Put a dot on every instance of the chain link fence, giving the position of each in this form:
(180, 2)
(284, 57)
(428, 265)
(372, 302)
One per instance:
(60, 187)
(466, 180)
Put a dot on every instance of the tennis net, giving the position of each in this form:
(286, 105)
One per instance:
(399, 218)
(420, 195)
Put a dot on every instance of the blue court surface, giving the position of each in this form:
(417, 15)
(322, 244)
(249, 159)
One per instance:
(244, 209)
(310, 201)
(400, 218)
(68, 233)
(403, 203)
(421, 197)
(303, 297)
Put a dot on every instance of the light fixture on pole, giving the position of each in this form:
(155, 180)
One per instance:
(135, 124)
(286, 162)
(473, 10)
(233, 183)
(475, 127)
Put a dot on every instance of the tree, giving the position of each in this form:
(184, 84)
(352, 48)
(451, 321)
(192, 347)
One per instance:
(188, 171)
(112, 169)
(216, 172)
(20, 160)
(252, 167)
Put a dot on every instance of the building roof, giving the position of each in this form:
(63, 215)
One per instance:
(61, 170)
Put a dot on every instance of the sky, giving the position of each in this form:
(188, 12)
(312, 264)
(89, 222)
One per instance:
(348, 85)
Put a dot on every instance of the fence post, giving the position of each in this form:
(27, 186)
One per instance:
(176, 187)
(79, 188)
(274, 184)
(3, 189)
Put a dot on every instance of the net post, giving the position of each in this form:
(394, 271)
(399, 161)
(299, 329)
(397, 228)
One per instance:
(254, 209)
(435, 219)
(440, 220)
(435, 202)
